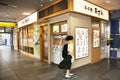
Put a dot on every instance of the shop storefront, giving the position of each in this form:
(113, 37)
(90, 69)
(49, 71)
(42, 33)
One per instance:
(87, 23)
(28, 36)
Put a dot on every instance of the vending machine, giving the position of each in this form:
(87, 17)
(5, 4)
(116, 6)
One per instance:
(57, 48)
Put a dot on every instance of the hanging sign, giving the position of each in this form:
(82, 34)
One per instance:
(85, 7)
(7, 24)
(28, 20)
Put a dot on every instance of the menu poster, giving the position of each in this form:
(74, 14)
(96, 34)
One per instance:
(55, 28)
(96, 39)
(81, 42)
(64, 27)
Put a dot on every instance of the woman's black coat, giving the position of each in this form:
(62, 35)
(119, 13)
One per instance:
(66, 62)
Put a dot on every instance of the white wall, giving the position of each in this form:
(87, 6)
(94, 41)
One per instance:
(59, 18)
(77, 20)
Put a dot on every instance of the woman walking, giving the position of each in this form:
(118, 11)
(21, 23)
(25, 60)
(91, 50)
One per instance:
(68, 55)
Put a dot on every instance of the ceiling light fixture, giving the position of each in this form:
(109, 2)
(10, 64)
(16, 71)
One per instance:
(13, 6)
(41, 5)
(26, 13)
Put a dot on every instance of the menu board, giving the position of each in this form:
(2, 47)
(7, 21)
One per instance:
(55, 28)
(96, 39)
(81, 42)
(64, 27)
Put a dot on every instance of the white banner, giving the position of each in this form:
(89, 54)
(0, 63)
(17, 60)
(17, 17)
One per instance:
(90, 9)
(28, 20)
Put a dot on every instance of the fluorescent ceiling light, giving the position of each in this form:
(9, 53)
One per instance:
(13, 6)
(41, 5)
(26, 13)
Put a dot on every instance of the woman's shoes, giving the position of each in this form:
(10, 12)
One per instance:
(67, 76)
(71, 74)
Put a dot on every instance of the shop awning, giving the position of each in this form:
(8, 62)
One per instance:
(7, 24)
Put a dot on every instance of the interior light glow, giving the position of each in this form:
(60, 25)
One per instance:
(26, 13)
(41, 5)
(107, 1)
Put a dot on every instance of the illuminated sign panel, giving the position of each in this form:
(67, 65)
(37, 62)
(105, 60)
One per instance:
(28, 20)
(90, 9)
(7, 24)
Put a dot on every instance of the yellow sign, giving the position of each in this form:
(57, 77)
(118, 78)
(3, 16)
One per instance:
(7, 24)
(109, 38)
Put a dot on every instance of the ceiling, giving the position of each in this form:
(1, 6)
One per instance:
(107, 4)
(11, 10)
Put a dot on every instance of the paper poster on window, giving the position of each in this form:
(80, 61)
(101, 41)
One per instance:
(55, 28)
(64, 28)
(96, 38)
(81, 35)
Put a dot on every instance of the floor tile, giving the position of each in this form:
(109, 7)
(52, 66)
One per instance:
(15, 66)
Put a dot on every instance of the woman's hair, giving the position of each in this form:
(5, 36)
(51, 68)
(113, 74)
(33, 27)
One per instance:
(69, 37)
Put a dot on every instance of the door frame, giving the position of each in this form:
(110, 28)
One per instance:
(42, 44)
(95, 51)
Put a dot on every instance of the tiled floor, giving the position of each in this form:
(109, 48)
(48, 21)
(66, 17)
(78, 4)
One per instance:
(14, 66)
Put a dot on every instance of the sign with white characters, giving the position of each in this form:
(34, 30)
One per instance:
(87, 8)
(28, 20)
